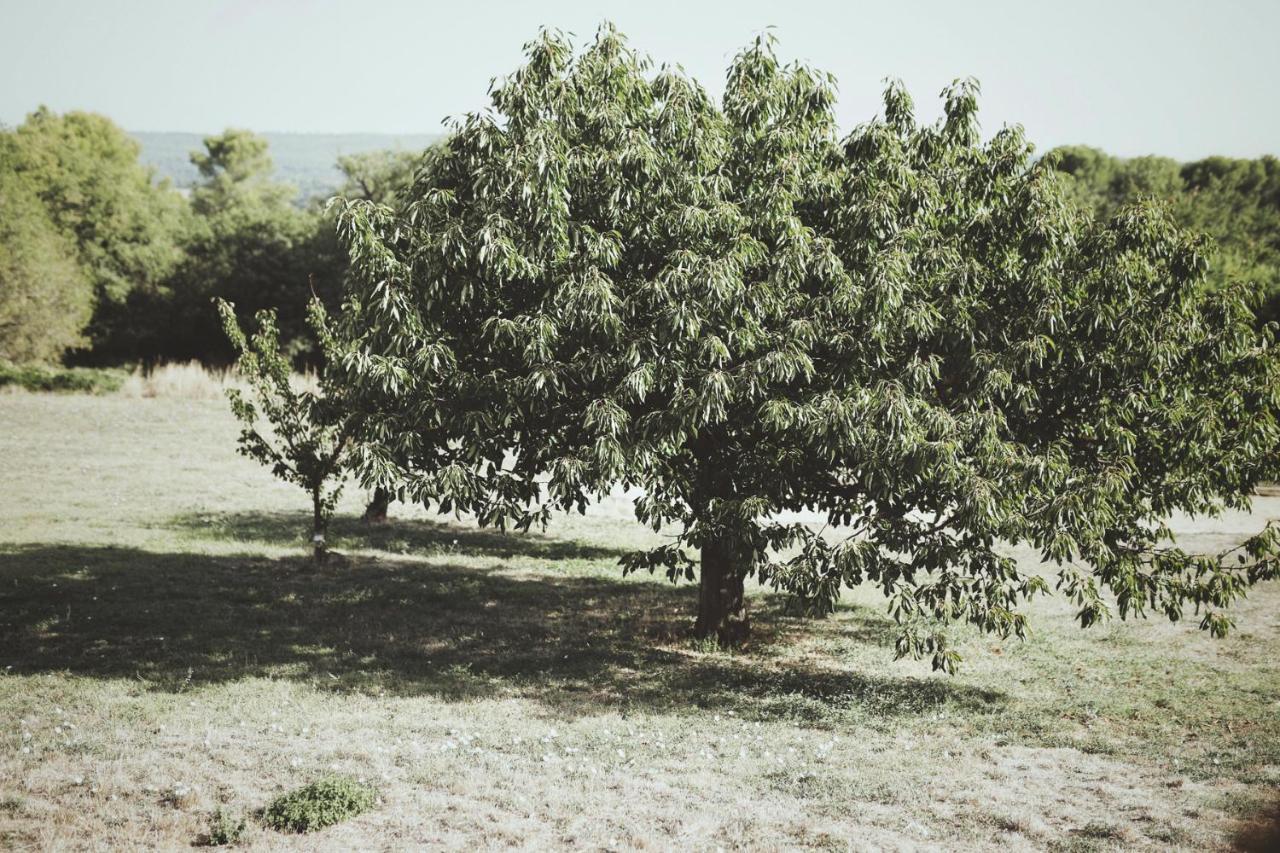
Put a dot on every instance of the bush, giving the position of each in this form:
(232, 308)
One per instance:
(324, 802)
(38, 377)
(224, 829)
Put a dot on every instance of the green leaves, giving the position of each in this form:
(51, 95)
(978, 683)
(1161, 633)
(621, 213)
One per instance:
(45, 297)
(319, 804)
(910, 331)
(83, 230)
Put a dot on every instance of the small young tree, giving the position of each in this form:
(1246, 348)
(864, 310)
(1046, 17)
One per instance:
(609, 279)
(310, 430)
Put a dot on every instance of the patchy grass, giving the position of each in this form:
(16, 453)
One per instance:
(167, 652)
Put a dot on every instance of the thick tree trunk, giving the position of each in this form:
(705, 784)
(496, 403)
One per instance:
(376, 511)
(722, 605)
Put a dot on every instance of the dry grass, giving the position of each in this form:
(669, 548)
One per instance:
(190, 381)
(168, 654)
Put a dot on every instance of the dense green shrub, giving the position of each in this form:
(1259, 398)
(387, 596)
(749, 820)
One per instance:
(322, 803)
(39, 377)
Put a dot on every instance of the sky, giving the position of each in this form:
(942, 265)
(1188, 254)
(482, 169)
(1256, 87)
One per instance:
(1170, 77)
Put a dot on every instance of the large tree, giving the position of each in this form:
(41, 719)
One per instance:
(45, 298)
(126, 226)
(608, 278)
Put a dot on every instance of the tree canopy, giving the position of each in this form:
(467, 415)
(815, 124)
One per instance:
(248, 244)
(607, 278)
(87, 172)
(125, 227)
(236, 171)
(377, 176)
(45, 299)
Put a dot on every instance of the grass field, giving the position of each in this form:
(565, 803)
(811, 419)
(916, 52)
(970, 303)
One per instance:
(164, 652)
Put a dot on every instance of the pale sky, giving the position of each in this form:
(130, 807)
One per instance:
(1178, 78)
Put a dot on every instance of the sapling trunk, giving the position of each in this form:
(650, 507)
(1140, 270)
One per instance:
(319, 529)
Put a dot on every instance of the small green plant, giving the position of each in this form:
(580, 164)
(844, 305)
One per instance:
(322, 803)
(224, 828)
(310, 430)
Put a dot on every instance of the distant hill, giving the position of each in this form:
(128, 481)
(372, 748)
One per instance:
(306, 160)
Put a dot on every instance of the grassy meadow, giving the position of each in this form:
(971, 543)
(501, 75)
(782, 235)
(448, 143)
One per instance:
(165, 651)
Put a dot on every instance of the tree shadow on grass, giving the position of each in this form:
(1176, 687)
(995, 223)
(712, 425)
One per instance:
(395, 536)
(1259, 832)
(575, 642)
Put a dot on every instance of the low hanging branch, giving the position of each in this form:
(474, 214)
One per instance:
(309, 432)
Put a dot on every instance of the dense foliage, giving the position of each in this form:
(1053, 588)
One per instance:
(607, 278)
(248, 245)
(105, 263)
(86, 171)
(124, 228)
(45, 298)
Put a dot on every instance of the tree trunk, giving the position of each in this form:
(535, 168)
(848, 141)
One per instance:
(376, 511)
(319, 548)
(722, 605)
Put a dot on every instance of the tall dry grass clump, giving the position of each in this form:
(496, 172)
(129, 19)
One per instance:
(189, 381)
(192, 381)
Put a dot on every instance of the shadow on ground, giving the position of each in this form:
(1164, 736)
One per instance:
(1260, 832)
(578, 643)
(396, 536)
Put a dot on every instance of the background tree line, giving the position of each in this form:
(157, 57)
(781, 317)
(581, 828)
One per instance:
(101, 263)
(1234, 201)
